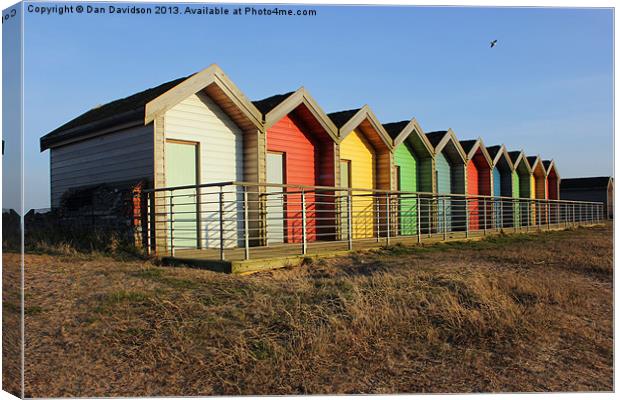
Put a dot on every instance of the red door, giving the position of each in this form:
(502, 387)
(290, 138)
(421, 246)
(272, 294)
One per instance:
(472, 189)
(290, 137)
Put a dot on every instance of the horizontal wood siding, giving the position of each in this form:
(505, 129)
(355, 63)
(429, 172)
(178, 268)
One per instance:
(356, 149)
(303, 161)
(444, 186)
(426, 175)
(473, 188)
(122, 156)
(516, 192)
(405, 159)
(220, 142)
(497, 182)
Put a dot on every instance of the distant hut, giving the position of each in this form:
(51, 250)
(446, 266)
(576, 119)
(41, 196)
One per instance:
(450, 178)
(502, 182)
(413, 163)
(478, 180)
(521, 187)
(539, 183)
(553, 189)
(600, 188)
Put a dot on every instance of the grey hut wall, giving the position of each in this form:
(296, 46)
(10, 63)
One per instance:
(123, 156)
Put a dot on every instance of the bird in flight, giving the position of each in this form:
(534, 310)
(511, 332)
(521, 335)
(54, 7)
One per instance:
(493, 43)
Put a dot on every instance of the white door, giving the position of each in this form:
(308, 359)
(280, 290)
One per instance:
(275, 198)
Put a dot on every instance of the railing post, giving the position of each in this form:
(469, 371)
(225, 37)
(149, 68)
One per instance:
(387, 207)
(501, 214)
(221, 218)
(149, 206)
(349, 221)
(484, 228)
(548, 214)
(378, 217)
(304, 237)
(445, 218)
(418, 217)
(574, 217)
(466, 217)
(171, 225)
(430, 216)
(527, 212)
(246, 224)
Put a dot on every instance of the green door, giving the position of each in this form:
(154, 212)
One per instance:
(181, 170)
(406, 162)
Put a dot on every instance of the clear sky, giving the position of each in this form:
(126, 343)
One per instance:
(546, 88)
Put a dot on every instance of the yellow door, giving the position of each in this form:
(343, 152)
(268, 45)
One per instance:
(359, 152)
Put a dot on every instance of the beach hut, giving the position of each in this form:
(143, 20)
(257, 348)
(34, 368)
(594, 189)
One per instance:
(192, 130)
(413, 164)
(599, 189)
(366, 161)
(553, 179)
(539, 183)
(478, 181)
(301, 149)
(553, 189)
(449, 179)
(521, 187)
(502, 178)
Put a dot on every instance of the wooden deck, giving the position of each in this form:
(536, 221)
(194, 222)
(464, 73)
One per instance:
(267, 257)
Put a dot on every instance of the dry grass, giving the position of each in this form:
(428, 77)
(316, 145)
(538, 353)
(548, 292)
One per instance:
(522, 313)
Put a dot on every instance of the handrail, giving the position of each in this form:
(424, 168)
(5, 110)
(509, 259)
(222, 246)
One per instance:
(343, 189)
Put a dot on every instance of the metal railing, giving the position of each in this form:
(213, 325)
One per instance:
(240, 220)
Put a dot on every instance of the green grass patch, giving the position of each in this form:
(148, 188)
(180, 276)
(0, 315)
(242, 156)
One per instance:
(110, 301)
(159, 275)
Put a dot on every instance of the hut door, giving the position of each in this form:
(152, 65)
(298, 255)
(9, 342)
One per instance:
(181, 170)
(275, 198)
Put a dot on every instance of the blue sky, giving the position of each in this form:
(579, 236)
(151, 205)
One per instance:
(546, 88)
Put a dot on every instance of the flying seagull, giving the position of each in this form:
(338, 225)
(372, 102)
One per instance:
(493, 43)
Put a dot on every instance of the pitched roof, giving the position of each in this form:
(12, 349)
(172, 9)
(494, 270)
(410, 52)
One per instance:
(493, 150)
(269, 103)
(395, 128)
(585, 183)
(435, 137)
(514, 155)
(132, 107)
(546, 164)
(467, 145)
(342, 117)
(532, 160)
